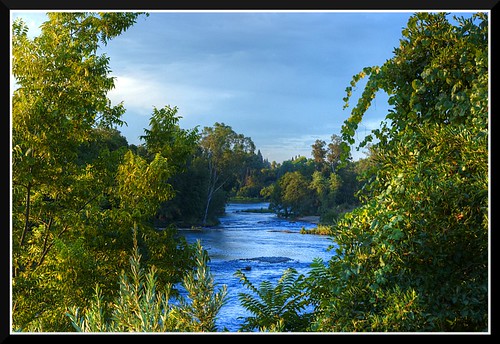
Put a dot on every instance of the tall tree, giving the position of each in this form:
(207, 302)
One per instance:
(334, 151)
(319, 152)
(225, 151)
(178, 146)
(60, 97)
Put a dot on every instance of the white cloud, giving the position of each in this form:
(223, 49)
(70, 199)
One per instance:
(140, 93)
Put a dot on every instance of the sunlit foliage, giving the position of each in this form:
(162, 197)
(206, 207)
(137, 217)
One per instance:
(414, 256)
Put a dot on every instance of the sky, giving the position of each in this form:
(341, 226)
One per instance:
(277, 77)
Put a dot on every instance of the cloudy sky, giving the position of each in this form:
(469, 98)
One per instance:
(277, 77)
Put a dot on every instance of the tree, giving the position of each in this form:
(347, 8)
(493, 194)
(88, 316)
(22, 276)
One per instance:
(175, 144)
(59, 102)
(224, 151)
(319, 184)
(334, 151)
(61, 95)
(414, 256)
(319, 152)
(166, 137)
(296, 196)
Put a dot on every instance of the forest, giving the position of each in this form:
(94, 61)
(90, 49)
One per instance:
(94, 219)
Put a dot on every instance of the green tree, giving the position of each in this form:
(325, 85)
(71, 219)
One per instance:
(59, 102)
(272, 193)
(175, 144)
(188, 206)
(414, 256)
(225, 151)
(166, 137)
(320, 186)
(296, 196)
(102, 140)
(319, 152)
(61, 94)
(139, 306)
(334, 151)
(250, 179)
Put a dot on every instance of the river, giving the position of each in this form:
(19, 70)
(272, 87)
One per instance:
(262, 245)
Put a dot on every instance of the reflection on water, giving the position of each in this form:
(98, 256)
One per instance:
(262, 246)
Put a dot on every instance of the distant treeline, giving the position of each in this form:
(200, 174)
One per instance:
(207, 177)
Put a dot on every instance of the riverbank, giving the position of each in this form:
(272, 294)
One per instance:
(192, 228)
(308, 219)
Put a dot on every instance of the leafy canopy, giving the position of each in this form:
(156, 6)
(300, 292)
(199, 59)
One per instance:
(414, 256)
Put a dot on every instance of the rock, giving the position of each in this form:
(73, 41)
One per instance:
(271, 259)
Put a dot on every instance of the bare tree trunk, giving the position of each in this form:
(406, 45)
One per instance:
(209, 199)
(212, 189)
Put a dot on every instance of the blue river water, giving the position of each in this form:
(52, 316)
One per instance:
(262, 245)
